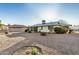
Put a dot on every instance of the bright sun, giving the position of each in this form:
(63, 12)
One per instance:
(49, 14)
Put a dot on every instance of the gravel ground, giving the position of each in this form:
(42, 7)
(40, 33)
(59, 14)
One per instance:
(6, 42)
(48, 51)
(45, 50)
(67, 44)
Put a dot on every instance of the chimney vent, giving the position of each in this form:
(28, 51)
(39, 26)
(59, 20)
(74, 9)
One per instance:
(43, 21)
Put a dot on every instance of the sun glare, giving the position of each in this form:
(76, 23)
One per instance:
(49, 14)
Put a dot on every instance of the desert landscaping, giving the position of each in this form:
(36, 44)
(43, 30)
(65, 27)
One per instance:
(39, 39)
(6, 42)
(51, 44)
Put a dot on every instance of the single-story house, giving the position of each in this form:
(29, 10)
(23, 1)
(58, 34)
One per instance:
(75, 28)
(47, 27)
(3, 28)
(17, 28)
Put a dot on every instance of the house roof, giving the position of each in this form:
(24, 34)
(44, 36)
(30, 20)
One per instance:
(52, 23)
(17, 26)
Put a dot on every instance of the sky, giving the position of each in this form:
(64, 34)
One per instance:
(34, 13)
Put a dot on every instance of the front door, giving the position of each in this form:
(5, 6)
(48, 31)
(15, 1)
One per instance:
(35, 29)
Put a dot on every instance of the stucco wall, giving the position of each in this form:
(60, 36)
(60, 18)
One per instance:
(43, 29)
(39, 29)
(17, 29)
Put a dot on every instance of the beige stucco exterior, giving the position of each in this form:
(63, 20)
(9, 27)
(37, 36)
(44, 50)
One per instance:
(46, 29)
(39, 29)
(43, 29)
(17, 29)
(4, 27)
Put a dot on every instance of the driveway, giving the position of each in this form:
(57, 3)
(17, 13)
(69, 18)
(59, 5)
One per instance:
(68, 44)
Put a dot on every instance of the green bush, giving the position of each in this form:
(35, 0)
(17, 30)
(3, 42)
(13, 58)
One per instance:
(34, 51)
(70, 31)
(43, 34)
(6, 32)
(29, 31)
(60, 30)
(26, 30)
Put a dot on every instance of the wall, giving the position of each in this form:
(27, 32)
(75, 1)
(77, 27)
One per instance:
(39, 29)
(17, 29)
(43, 29)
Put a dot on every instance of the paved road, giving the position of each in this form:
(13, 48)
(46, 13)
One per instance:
(66, 43)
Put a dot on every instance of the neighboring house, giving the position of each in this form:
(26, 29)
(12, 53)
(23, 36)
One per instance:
(48, 27)
(17, 28)
(4, 28)
(75, 28)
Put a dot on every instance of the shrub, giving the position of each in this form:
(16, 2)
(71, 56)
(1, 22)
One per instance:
(29, 31)
(70, 31)
(6, 32)
(43, 34)
(60, 30)
(26, 30)
(34, 51)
